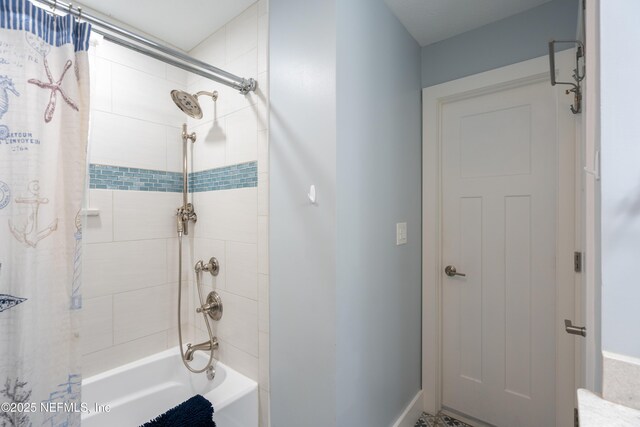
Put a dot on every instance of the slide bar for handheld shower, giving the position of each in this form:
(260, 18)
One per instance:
(140, 44)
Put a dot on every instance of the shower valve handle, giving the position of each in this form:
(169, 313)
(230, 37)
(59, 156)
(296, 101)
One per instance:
(213, 306)
(213, 266)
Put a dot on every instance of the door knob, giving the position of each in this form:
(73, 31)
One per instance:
(574, 330)
(450, 271)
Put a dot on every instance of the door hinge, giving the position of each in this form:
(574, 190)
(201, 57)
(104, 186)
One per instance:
(577, 262)
(576, 419)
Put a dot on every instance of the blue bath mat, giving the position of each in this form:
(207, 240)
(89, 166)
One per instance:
(195, 412)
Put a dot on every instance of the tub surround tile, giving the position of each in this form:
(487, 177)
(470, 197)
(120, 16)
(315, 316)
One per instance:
(263, 42)
(213, 50)
(119, 267)
(263, 244)
(123, 178)
(262, 92)
(263, 7)
(174, 148)
(263, 405)
(263, 151)
(143, 96)
(263, 303)
(236, 221)
(123, 56)
(144, 215)
(172, 297)
(242, 269)
(263, 193)
(177, 75)
(97, 324)
(210, 149)
(236, 132)
(99, 229)
(239, 324)
(231, 201)
(242, 137)
(264, 361)
(244, 65)
(101, 79)
(242, 33)
(140, 313)
(187, 336)
(127, 142)
(200, 333)
(243, 175)
(117, 355)
(239, 360)
(260, 111)
(172, 258)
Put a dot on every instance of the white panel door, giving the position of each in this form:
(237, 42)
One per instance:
(499, 185)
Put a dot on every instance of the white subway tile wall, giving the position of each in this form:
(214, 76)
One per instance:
(131, 255)
(233, 224)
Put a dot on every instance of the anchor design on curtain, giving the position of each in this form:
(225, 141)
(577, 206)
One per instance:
(43, 171)
(29, 233)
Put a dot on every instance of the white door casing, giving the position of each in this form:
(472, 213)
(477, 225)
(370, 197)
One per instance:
(499, 195)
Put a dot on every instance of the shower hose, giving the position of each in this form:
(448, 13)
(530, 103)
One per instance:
(204, 314)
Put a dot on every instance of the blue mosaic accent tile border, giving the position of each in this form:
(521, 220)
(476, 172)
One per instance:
(243, 175)
(107, 177)
(121, 178)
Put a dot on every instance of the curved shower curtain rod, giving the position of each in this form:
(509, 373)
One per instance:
(142, 45)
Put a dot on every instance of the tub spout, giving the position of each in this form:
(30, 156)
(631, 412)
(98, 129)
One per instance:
(203, 346)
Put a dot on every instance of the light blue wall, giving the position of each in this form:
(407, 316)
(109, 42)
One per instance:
(620, 144)
(511, 40)
(302, 237)
(345, 300)
(379, 184)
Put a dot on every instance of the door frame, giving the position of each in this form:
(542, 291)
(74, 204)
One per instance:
(568, 182)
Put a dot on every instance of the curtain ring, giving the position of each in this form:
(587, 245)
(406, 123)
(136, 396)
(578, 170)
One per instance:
(79, 14)
(70, 8)
(55, 6)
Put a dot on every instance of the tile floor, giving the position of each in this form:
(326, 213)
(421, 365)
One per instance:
(440, 420)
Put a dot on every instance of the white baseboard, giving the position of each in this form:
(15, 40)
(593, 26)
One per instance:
(411, 413)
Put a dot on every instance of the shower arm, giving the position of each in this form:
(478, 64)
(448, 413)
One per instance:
(213, 95)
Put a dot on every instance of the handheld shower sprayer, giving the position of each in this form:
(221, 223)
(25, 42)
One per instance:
(212, 307)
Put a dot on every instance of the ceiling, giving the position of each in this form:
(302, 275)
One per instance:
(430, 21)
(182, 24)
(186, 25)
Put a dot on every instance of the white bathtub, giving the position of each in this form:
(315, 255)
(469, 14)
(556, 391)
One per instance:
(142, 390)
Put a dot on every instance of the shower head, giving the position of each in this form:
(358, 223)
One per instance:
(189, 103)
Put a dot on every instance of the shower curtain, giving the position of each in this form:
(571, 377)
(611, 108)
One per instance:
(44, 111)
